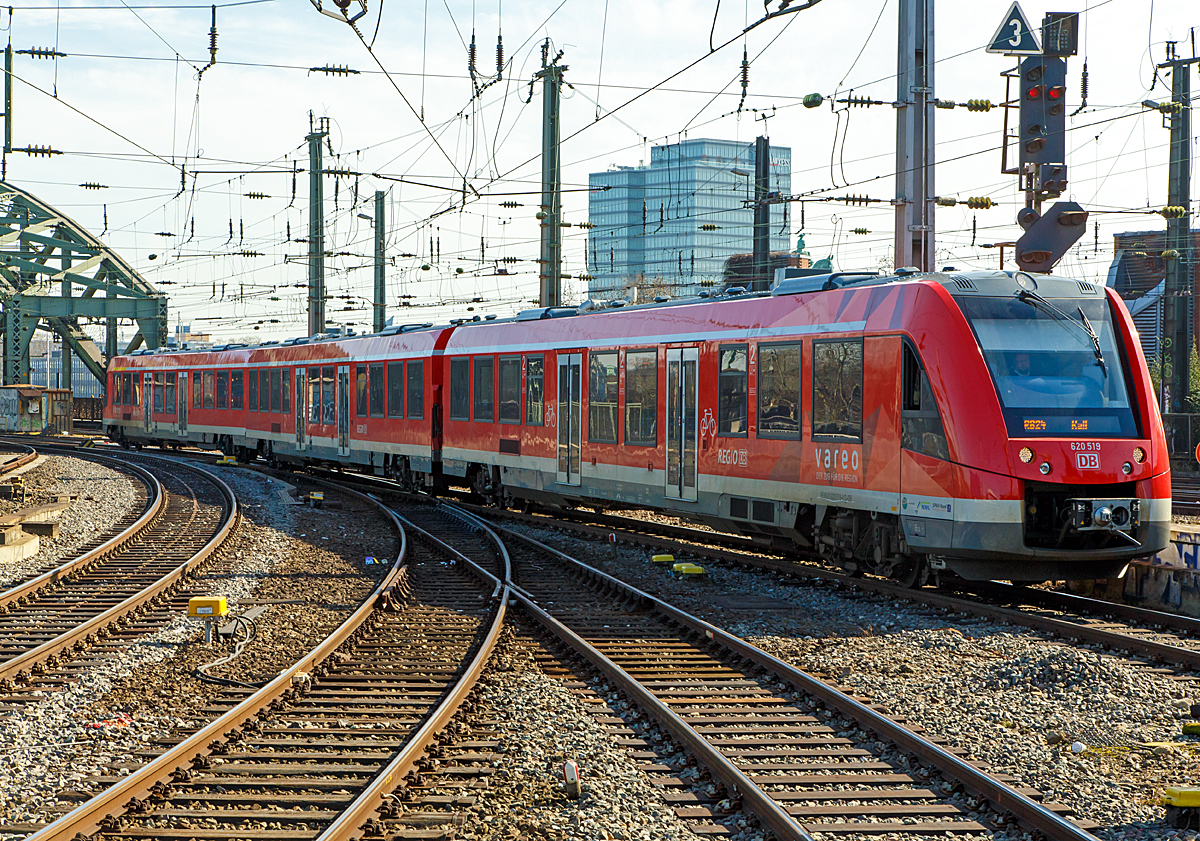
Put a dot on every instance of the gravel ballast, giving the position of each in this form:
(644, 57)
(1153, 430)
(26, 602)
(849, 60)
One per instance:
(539, 724)
(126, 701)
(1007, 696)
(101, 497)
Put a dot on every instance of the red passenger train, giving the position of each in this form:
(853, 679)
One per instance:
(993, 424)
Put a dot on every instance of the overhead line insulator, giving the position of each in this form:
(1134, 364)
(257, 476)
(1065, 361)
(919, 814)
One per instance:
(42, 52)
(92, 185)
(1172, 212)
(334, 70)
(254, 195)
(38, 151)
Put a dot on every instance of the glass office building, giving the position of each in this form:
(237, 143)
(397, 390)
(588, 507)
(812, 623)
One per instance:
(669, 227)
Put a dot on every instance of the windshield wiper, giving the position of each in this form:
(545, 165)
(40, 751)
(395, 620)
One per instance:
(1034, 299)
(1087, 325)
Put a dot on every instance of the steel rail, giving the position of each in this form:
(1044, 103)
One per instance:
(1028, 812)
(1061, 627)
(770, 813)
(9, 465)
(86, 818)
(348, 825)
(154, 508)
(62, 642)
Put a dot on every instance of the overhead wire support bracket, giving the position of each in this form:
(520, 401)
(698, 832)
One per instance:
(342, 14)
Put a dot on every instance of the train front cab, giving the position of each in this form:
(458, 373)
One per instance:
(1079, 484)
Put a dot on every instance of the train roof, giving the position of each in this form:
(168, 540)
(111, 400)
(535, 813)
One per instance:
(997, 283)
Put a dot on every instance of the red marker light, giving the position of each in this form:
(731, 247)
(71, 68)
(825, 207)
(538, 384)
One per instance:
(1034, 92)
(1055, 93)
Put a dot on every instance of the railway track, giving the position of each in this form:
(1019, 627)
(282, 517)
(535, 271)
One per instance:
(46, 620)
(314, 753)
(1156, 635)
(797, 753)
(1185, 495)
(24, 455)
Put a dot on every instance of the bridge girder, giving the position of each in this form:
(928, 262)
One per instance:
(44, 258)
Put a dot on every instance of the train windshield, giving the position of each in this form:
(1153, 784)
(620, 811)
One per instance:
(1056, 365)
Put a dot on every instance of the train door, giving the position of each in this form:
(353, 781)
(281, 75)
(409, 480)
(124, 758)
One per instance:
(301, 408)
(570, 423)
(147, 399)
(681, 423)
(343, 418)
(184, 402)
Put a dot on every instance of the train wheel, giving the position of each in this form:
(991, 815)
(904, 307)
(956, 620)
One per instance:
(911, 574)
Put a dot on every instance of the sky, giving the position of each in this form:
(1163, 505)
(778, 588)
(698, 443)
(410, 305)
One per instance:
(198, 161)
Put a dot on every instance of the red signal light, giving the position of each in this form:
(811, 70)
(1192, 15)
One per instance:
(1034, 92)
(1057, 96)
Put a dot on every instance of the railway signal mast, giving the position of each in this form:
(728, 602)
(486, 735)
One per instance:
(1042, 131)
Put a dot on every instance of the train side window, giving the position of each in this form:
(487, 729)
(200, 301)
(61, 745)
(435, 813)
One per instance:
(921, 427)
(510, 389)
(731, 392)
(360, 391)
(535, 384)
(416, 390)
(253, 390)
(779, 391)
(641, 397)
(286, 390)
(236, 389)
(485, 388)
(196, 389)
(208, 389)
(314, 395)
(127, 389)
(837, 390)
(460, 389)
(328, 397)
(395, 389)
(602, 397)
(158, 392)
(378, 389)
(169, 398)
(268, 389)
(222, 390)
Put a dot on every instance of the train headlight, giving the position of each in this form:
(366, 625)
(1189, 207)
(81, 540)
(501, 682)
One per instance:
(1126, 468)
(1026, 455)
(1139, 455)
(1045, 468)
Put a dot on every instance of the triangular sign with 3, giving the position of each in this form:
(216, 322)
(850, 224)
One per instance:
(1015, 36)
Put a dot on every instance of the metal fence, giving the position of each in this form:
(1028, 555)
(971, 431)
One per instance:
(1183, 435)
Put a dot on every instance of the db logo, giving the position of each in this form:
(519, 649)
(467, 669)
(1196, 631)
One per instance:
(1088, 461)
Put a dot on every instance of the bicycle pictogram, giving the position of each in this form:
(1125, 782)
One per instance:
(708, 426)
